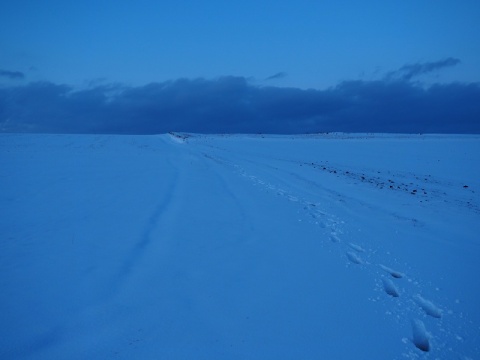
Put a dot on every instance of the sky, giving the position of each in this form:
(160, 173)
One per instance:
(108, 49)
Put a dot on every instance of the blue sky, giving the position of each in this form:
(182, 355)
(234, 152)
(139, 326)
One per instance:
(295, 44)
(316, 43)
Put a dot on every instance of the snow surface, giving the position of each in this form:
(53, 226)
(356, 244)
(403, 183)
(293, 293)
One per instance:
(183, 246)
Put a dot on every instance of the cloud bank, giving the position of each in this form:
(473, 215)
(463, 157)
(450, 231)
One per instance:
(233, 105)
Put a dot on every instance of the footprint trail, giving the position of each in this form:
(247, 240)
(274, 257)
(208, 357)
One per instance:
(396, 286)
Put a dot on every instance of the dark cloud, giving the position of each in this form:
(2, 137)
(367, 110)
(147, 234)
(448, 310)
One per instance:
(234, 105)
(12, 74)
(409, 71)
(279, 75)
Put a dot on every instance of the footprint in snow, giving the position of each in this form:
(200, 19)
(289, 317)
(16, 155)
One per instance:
(354, 258)
(421, 338)
(390, 287)
(428, 307)
(393, 273)
(356, 247)
(334, 238)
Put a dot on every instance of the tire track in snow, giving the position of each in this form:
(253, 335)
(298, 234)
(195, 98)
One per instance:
(231, 194)
(146, 235)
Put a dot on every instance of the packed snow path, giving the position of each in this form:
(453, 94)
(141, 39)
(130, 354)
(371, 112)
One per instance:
(239, 247)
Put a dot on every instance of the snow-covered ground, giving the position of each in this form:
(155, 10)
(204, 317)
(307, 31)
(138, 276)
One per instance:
(330, 246)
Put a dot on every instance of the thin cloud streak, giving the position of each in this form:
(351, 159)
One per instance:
(279, 75)
(409, 71)
(14, 75)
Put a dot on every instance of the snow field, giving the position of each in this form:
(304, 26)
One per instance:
(191, 246)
